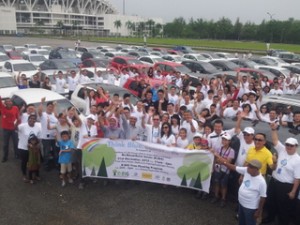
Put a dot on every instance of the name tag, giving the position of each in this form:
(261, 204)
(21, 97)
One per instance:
(279, 171)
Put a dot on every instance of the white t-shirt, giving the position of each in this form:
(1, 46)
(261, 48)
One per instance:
(244, 148)
(168, 140)
(276, 92)
(288, 166)
(84, 79)
(98, 79)
(152, 133)
(182, 143)
(84, 130)
(72, 83)
(230, 112)
(187, 126)
(60, 85)
(251, 189)
(46, 133)
(24, 132)
(215, 140)
(173, 98)
(123, 79)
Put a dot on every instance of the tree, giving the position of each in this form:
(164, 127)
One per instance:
(237, 29)
(75, 24)
(151, 24)
(60, 25)
(130, 26)
(118, 25)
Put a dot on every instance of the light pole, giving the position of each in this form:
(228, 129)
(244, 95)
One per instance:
(271, 30)
(123, 7)
(271, 15)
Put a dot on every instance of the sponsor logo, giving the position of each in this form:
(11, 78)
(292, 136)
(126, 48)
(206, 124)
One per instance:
(147, 176)
(118, 173)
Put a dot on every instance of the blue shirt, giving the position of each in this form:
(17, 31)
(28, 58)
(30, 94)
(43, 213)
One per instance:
(65, 157)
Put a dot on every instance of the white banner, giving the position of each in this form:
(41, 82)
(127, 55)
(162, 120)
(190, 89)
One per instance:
(143, 161)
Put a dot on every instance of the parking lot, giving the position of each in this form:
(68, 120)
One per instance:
(125, 203)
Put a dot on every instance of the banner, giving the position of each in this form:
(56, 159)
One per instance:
(143, 161)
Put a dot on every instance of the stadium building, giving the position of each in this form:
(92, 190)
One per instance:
(95, 17)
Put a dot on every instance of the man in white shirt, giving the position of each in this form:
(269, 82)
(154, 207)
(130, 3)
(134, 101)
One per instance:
(276, 90)
(98, 76)
(152, 131)
(123, 77)
(231, 112)
(72, 82)
(83, 77)
(60, 82)
(190, 125)
(172, 96)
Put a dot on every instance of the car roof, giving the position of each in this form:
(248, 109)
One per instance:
(34, 95)
(17, 61)
(169, 63)
(112, 88)
(124, 57)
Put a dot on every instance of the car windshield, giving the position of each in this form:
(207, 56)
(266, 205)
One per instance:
(23, 67)
(270, 62)
(200, 57)
(182, 69)
(177, 58)
(68, 54)
(208, 66)
(4, 58)
(8, 47)
(101, 63)
(37, 58)
(251, 63)
(44, 52)
(7, 82)
(134, 61)
(15, 53)
(32, 46)
(64, 65)
(158, 60)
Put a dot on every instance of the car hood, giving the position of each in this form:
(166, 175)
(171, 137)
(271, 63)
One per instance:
(6, 92)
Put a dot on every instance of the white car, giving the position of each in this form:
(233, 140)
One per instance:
(173, 58)
(7, 85)
(225, 55)
(151, 59)
(20, 49)
(277, 71)
(34, 96)
(195, 57)
(278, 61)
(3, 59)
(35, 59)
(46, 47)
(13, 67)
(31, 46)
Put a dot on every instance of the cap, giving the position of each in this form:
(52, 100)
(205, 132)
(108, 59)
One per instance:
(252, 93)
(249, 130)
(198, 135)
(255, 163)
(291, 141)
(226, 136)
(135, 115)
(91, 116)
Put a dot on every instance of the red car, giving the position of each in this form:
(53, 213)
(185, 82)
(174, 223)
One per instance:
(120, 62)
(132, 83)
(167, 66)
(14, 55)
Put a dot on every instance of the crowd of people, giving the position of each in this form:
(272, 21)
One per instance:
(176, 116)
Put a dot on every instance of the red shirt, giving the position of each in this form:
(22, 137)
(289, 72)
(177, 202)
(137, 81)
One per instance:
(9, 117)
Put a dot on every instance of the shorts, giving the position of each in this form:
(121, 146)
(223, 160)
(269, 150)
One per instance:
(221, 178)
(65, 167)
(76, 155)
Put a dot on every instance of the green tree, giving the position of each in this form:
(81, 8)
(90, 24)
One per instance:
(60, 26)
(118, 25)
(237, 29)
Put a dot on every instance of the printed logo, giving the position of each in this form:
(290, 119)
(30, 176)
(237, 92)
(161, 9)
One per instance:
(283, 162)
(147, 176)
(247, 183)
(118, 173)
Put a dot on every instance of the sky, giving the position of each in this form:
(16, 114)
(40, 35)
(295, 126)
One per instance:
(247, 10)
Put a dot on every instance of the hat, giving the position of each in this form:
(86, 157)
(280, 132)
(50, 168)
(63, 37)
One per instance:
(255, 163)
(252, 93)
(135, 115)
(291, 141)
(198, 135)
(91, 116)
(249, 130)
(226, 136)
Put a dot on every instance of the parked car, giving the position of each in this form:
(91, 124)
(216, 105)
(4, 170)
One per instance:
(14, 55)
(151, 59)
(256, 73)
(278, 62)
(289, 57)
(64, 53)
(50, 66)
(100, 64)
(6, 48)
(111, 55)
(120, 62)
(200, 67)
(20, 49)
(183, 49)
(34, 95)
(195, 57)
(277, 71)
(35, 59)
(3, 59)
(224, 65)
(173, 58)
(136, 54)
(13, 67)
(225, 55)
(7, 85)
(166, 67)
(293, 68)
(245, 63)
(46, 47)
(78, 100)
(281, 102)
(31, 46)
(210, 55)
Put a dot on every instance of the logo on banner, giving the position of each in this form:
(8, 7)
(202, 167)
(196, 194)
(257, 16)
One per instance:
(147, 176)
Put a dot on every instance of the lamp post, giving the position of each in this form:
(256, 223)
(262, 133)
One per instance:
(123, 7)
(271, 30)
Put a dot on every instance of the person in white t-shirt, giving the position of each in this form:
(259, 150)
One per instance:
(285, 179)
(182, 141)
(172, 96)
(276, 90)
(189, 124)
(60, 82)
(166, 136)
(252, 192)
(98, 76)
(231, 112)
(24, 132)
(123, 77)
(83, 76)
(30, 109)
(72, 82)
(152, 131)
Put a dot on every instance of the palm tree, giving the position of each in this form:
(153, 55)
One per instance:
(60, 25)
(129, 25)
(150, 23)
(118, 25)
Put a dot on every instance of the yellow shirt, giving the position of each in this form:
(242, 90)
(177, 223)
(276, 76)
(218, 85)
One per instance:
(263, 155)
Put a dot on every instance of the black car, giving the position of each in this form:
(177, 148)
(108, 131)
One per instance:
(289, 57)
(264, 61)
(244, 63)
(200, 67)
(64, 53)
(224, 65)
(292, 68)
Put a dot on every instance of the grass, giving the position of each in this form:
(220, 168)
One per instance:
(240, 46)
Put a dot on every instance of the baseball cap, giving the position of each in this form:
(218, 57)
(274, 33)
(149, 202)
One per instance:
(226, 136)
(197, 135)
(249, 130)
(291, 141)
(255, 163)
(91, 116)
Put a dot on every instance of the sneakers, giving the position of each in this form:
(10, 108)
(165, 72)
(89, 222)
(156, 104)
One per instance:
(63, 183)
(70, 180)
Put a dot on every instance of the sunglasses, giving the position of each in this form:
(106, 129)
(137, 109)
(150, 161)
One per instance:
(289, 145)
(257, 139)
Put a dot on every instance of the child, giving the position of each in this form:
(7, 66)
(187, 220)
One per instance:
(34, 158)
(65, 153)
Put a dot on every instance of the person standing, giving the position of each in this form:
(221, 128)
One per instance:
(285, 181)
(25, 130)
(72, 82)
(252, 192)
(10, 116)
(60, 82)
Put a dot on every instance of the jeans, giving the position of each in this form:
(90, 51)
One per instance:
(49, 149)
(7, 134)
(24, 154)
(246, 216)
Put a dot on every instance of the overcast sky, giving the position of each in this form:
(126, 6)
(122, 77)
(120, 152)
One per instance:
(246, 10)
